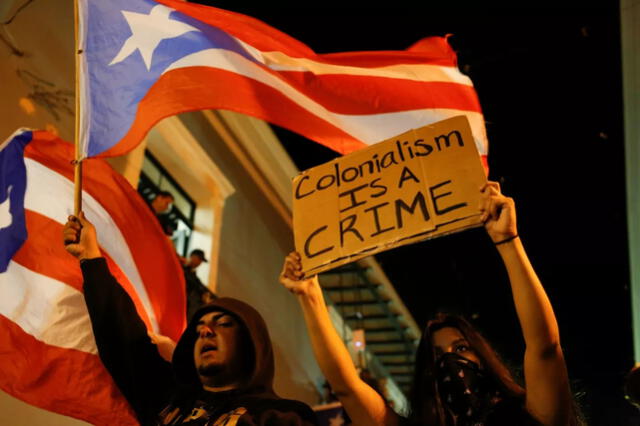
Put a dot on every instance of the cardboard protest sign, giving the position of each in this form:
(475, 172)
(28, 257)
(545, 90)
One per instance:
(421, 184)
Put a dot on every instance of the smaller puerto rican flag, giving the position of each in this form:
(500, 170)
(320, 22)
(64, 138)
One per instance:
(48, 354)
(144, 60)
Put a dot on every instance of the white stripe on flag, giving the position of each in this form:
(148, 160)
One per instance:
(49, 310)
(379, 127)
(49, 203)
(366, 128)
(279, 61)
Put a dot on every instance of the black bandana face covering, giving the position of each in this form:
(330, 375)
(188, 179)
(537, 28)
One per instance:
(464, 388)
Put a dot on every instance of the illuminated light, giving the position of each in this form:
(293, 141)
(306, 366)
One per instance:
(27, 106)
(358, 339)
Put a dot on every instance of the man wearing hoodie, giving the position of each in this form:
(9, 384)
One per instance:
(222, 368)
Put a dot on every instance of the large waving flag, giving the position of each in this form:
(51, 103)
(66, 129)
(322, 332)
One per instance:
(145, 60)
(48, 355)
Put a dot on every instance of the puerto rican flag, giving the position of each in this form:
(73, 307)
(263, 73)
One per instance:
(145, 60)
(48, 355)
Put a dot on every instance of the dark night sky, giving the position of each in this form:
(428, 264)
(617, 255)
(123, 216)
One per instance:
(549, 81)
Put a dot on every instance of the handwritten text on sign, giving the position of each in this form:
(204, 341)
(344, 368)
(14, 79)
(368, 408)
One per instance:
(418, 185)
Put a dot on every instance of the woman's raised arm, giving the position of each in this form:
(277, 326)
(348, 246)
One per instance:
(363, 404)
(548, 396)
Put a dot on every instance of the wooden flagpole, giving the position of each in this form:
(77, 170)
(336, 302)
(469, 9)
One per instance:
(77, 196)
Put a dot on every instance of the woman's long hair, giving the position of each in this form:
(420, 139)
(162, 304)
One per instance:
(426, 406)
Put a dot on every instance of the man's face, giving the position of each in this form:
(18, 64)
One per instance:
(194, 261)
(161, 203)
(217, 350)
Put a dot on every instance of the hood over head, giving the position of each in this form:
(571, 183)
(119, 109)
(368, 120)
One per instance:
(261, 378)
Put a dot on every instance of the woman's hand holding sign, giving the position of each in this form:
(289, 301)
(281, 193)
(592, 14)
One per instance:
(293, 278)
(498, 214)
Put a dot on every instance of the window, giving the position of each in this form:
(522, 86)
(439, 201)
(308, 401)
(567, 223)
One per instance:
(155, 178)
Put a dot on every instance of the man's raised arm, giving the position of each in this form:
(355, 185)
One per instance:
(145, 379)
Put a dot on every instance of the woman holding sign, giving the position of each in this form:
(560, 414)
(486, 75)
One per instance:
(459, 380)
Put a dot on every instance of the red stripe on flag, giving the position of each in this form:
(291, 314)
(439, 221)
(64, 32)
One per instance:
(248, 29)
(432, 50)
(438, 55)
(211, 88)
(153, 254)
(364, 95)
(41, 253)
(34, 371)
(44, 253)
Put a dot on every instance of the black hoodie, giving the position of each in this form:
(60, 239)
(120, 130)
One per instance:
(161, 393)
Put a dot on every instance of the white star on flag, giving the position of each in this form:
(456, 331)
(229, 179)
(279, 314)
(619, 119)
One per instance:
(147, 31)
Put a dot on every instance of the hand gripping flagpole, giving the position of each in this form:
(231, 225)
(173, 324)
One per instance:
(77, 175)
